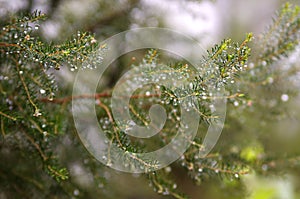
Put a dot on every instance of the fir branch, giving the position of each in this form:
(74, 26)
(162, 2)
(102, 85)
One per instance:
(37, 147)
(226, 171)
(281, 38)
(2, 128)
(163, 185)
(29, 60)
(36, 109)
(8, 116)
(58, 174)
(111, 120)
(30, 180)
(137, 115)
(106, 94)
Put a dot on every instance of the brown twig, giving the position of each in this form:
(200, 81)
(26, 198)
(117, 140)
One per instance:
(9, 45)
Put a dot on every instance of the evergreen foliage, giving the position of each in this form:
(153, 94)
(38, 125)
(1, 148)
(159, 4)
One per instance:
(35, 113)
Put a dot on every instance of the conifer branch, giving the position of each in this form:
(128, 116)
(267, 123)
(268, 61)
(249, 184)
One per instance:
(26, 85)
(2, 128)
(8, 116)
(36, 109)
(37, 147)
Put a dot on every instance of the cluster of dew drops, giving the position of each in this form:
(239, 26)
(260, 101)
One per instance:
(284, 97)
(19, 34)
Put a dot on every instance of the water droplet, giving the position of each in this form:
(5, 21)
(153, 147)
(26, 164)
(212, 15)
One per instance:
(166, 192)
(174, 186)
(212, 108)
(167, 101)
(50, 97)
(175, 102)
(270, 80)
(20, 72)
(284, 97)
(37, 113)
(235, 103)
(251, 65)
(264, 167)
(76, 192)
(93, 40)
(42, 91)
(168, 169)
